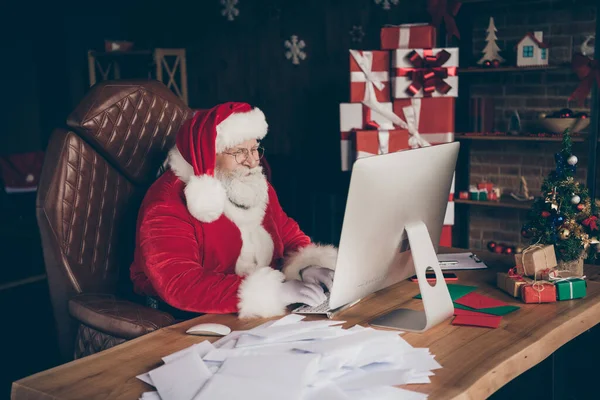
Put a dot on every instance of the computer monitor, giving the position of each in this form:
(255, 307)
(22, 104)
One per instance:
(391, 231)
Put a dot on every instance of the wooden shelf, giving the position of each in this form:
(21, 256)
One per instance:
(480, 70)
(574, 139)
(505, 202)
(121, 53)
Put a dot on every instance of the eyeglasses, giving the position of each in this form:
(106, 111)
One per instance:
(241, 155)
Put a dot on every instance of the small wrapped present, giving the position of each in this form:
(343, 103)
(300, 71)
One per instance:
(408, 36)
(511, 284)
(538, 292)
(369, 76)
(446, 236)
(371, 143)
(425, 73)
(535, 260)
(357, 116)
(570, 288)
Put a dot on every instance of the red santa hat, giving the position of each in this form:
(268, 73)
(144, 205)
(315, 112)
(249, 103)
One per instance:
(199, 140)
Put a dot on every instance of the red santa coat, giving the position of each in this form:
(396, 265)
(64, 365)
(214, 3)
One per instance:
(236, 263)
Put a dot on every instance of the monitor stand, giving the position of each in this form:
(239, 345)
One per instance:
(436, 299)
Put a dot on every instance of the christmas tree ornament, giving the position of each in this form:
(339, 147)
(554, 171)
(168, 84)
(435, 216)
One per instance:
(526, 232)
(572, 160)
(580, 207)
(229, 9)
(509, 250)
(558, 220)
(575, 199)
(564, 234)
(518, 250)
(591, 222)
(295, 49)
(545, 214)
(496, 63)
(491, 245)
(581, 115)
(491, 51)
(499, 249)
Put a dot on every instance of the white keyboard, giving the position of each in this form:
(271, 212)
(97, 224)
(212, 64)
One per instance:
(322, 308)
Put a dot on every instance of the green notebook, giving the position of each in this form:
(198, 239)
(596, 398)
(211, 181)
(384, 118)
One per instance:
(456, 291)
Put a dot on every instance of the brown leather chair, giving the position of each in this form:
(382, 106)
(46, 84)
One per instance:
(96, 172)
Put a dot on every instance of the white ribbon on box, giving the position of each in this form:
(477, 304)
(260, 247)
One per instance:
(366, 74)
(383, 137)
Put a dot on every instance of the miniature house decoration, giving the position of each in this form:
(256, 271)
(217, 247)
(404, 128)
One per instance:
(532, 51)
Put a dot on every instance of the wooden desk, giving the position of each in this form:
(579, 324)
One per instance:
(476, 361)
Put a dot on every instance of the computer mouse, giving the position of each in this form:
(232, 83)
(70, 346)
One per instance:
(209, 329)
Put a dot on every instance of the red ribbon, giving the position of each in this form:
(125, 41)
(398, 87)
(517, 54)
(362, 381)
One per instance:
(512, 273)
(588, 71)
(428, 73)
(591, 222)
(445, 10)
(368, 120)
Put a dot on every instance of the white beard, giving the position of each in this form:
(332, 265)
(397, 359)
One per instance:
(243, 189)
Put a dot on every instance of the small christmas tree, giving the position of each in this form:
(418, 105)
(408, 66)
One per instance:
(491, 51)
(564, 215)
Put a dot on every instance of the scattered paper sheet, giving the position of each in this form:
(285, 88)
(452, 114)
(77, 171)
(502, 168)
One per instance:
(484, 321)
(293, 359)
(460, 261)
(478, 301)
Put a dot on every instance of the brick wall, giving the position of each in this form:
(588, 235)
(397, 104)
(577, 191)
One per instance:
(529, 93)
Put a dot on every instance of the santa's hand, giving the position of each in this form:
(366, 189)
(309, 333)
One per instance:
(318, 275)
(294, 291)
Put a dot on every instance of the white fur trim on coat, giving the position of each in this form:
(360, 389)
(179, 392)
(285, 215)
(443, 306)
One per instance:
(239, 127)
(324, 256)
(205, 195)
(260, 294)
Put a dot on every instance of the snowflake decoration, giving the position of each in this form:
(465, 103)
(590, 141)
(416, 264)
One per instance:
(357, 33)
(387, 3)
(229, 10)
(295, 52)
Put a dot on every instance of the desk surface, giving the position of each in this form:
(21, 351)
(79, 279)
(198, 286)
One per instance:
(476, 361)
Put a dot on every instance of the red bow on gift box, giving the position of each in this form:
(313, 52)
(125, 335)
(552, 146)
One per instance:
(428, 73)
(588, 71)
(591, 222)
(445, 10)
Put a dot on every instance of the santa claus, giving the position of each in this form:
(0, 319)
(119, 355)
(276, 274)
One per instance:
(211, 234)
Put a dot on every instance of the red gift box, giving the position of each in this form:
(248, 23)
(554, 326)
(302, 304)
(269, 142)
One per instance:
(369, 70)
(435, 119)
(409, 36)
(21, 172)
(538, 292)
(370, 143)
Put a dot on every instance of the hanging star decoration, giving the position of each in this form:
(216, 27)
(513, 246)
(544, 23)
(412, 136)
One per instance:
(357, 33)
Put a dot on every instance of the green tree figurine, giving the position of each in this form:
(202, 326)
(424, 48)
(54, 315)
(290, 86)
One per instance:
(564, 215)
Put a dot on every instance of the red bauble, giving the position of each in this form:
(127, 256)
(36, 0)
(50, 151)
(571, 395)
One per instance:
(496, 63)
(566, 113)
(491, 245)
(509, 250)
(487, 63)
(499, 249)
(580, 207)
(545, 214)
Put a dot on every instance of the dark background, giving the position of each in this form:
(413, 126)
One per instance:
(44, 75)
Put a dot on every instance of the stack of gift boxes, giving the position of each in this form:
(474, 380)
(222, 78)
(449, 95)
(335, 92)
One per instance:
(401, 97)
(535, 278)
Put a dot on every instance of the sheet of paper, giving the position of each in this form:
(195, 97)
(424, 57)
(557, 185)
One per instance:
(328, 391)
(150, 396)
(182, 378)
(460, 261)
(481, 320)
(384, 393)
(235, 387)
(281, 331)
(328, 332)
(228, 338)
(478, 301)
(360, 379)
(145, 378)
(201, 349)
(354, 340)
(456, 291)
(293, 371)
(499, 310)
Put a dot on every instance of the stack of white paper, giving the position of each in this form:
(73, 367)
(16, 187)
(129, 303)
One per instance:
(292, 359)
